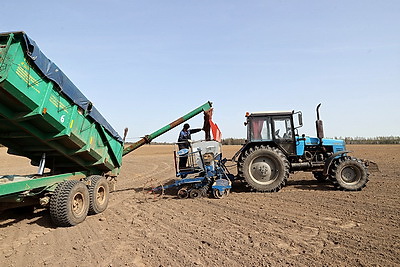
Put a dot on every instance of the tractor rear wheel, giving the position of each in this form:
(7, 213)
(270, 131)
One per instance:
(349, 174)
(69, 203)
(99, 194)
(264, 168)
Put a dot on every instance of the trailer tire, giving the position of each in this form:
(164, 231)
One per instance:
(99, 194)
(264, 168)
(69, 204)
(348, 174)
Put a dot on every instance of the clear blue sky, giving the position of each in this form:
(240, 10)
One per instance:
(145, 63)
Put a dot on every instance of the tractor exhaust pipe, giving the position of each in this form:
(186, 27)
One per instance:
(319, 125)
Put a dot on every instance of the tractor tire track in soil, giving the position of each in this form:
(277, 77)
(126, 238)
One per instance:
(307, 223)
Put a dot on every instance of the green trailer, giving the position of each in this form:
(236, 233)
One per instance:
(45, 118)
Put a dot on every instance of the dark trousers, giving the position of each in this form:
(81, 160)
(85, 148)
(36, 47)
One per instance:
(182, 162)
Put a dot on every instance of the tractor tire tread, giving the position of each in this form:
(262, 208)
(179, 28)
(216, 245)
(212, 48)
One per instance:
(339, 164)
(281, 157)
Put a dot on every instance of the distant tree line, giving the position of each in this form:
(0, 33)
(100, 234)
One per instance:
(227, 141)
(233, 141)
(372, 140)
(349, 140)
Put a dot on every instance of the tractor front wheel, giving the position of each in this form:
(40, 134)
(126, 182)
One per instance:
(349, 174)
(264, 168)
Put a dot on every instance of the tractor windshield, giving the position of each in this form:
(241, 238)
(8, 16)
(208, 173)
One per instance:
(282, 128)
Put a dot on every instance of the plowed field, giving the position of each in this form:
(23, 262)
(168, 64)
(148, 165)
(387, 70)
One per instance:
(305, 224)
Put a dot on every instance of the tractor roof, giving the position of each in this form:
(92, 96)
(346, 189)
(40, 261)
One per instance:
(270, 113)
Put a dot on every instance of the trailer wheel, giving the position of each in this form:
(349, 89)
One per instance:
(349, 174)
(264, 168)
(69, 204)
(99, 194)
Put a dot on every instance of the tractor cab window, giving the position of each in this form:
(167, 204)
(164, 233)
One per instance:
(260, 129)
(282, 128)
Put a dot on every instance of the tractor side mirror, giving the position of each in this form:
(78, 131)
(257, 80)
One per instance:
(300, 117)
(299, 122)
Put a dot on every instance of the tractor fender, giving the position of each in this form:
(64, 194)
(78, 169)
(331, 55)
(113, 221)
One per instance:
(246, 146)
(329, 161)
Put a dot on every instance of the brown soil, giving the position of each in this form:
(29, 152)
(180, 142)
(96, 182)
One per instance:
(305, 224)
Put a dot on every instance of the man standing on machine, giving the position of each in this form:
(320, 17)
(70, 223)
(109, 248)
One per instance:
(183, 143)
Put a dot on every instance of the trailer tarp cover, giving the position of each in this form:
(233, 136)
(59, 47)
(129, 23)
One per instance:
(54, 73)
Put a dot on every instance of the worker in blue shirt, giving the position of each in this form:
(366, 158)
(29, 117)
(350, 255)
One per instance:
(183, 142)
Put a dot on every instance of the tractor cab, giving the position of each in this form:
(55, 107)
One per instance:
(276, 128)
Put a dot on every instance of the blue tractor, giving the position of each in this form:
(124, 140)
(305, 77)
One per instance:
(274, 149)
